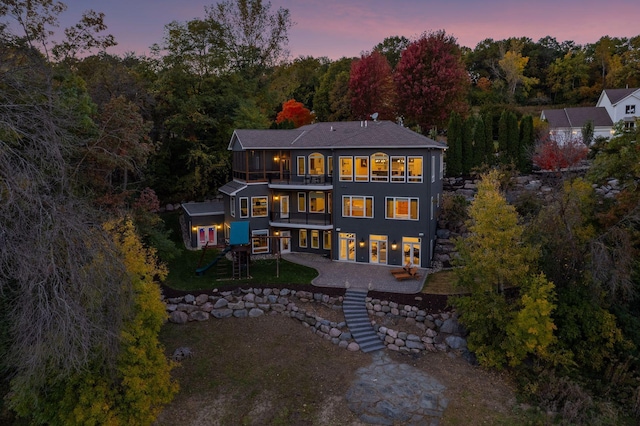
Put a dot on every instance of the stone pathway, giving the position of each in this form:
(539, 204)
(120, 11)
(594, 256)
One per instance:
(389, 393)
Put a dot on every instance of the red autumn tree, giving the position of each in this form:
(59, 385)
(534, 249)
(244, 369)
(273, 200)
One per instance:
(555, 155)
(296, 113)
(372, 88)
(431, 80)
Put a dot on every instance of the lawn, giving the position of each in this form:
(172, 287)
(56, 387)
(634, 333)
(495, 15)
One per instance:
(182, 269)
(442, 282)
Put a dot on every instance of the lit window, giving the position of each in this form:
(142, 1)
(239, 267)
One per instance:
(316, 202)
(398, 173)
(330, 165)
(316, 164)
(244, 207)
(415, 169)
(401, 208)
(362, 169)
(302, 202)
(346, 169)
(380, 167)
(354, 206)
(260, 244)
(301, 170)
(315, 238)
(258, 206)
(303, 238)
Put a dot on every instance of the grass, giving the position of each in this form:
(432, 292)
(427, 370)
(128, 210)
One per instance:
(182, 268)
(442, 282)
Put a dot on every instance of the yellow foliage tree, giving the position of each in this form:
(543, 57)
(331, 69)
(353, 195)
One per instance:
(513, 65)
(502, 329)
(141, 384)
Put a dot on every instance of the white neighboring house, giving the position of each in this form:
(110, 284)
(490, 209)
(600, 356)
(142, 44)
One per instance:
(567, 123)
(614, 105)
(622, 105)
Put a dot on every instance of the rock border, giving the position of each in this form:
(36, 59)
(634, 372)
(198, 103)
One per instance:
(442, 332)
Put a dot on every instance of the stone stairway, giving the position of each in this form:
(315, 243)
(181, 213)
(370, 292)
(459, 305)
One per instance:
(355, 313)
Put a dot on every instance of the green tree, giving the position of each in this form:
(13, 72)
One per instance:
(454, 141)
(526, 146)
(468, 127)
(479, 143)
(392, 48)
(332, 101)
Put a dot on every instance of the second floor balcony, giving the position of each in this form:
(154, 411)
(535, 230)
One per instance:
(304, 218)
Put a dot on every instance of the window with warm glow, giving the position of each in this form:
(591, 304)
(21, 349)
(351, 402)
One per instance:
(346, 169)
(415, 169)
(380, 167)
(316, 202)
(362, 169)
(258, 206)
(316, 164)
(397, 169)
(355, 206)
(401, 208)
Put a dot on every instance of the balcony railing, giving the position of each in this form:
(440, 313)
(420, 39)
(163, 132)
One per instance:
(289, 179)
(306, 218)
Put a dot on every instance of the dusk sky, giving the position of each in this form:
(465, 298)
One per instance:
(336, 28)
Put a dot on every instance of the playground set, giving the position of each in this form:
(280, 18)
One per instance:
(239, 245)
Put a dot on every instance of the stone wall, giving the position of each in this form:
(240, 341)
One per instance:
(437, 331)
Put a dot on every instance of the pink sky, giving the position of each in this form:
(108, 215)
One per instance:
(336, 28)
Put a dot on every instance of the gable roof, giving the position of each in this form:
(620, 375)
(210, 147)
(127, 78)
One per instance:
(349, 134)
(577, 117)
(616, 95)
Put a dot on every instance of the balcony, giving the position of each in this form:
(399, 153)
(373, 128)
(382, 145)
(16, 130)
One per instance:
(312, 181)
(301, 220)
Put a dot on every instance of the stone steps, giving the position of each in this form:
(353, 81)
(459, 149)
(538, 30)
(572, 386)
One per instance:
(357, 318)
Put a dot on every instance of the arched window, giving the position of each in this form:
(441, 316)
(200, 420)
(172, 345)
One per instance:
(316, 164)
(380, 167)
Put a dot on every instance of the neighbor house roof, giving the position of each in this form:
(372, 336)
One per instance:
(350, 134)
(577, 117)
(616, 95)
(232, 188)
(207, 208)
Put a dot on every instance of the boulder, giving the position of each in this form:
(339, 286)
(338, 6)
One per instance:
(178, 317)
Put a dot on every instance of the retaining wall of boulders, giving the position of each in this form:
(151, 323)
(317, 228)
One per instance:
(437, 331)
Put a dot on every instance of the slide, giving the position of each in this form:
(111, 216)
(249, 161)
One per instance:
(201, 271)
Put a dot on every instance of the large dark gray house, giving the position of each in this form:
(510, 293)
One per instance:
(353, 191)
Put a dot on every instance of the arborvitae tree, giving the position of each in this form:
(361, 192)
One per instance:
(467, 145)
(503, 138)
(454, 140)
(488, 135)
(508, 137)
(526, 144)
(513, 138)
(479, 142)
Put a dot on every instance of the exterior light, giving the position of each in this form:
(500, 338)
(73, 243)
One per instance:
(194, 228)
(277, 233)
(276, 198)
(361, 243)
(394, 245)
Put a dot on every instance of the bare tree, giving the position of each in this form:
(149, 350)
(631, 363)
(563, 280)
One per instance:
(61, 279)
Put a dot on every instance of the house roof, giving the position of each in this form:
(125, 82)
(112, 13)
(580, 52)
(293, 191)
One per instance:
(350, 134)
(616, 95)
(207, 208)
(577, 117)
(232, 188)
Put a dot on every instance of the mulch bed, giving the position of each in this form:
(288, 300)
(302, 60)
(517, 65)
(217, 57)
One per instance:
(428, 302)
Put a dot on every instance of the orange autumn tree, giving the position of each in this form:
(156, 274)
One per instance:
(296, 113)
